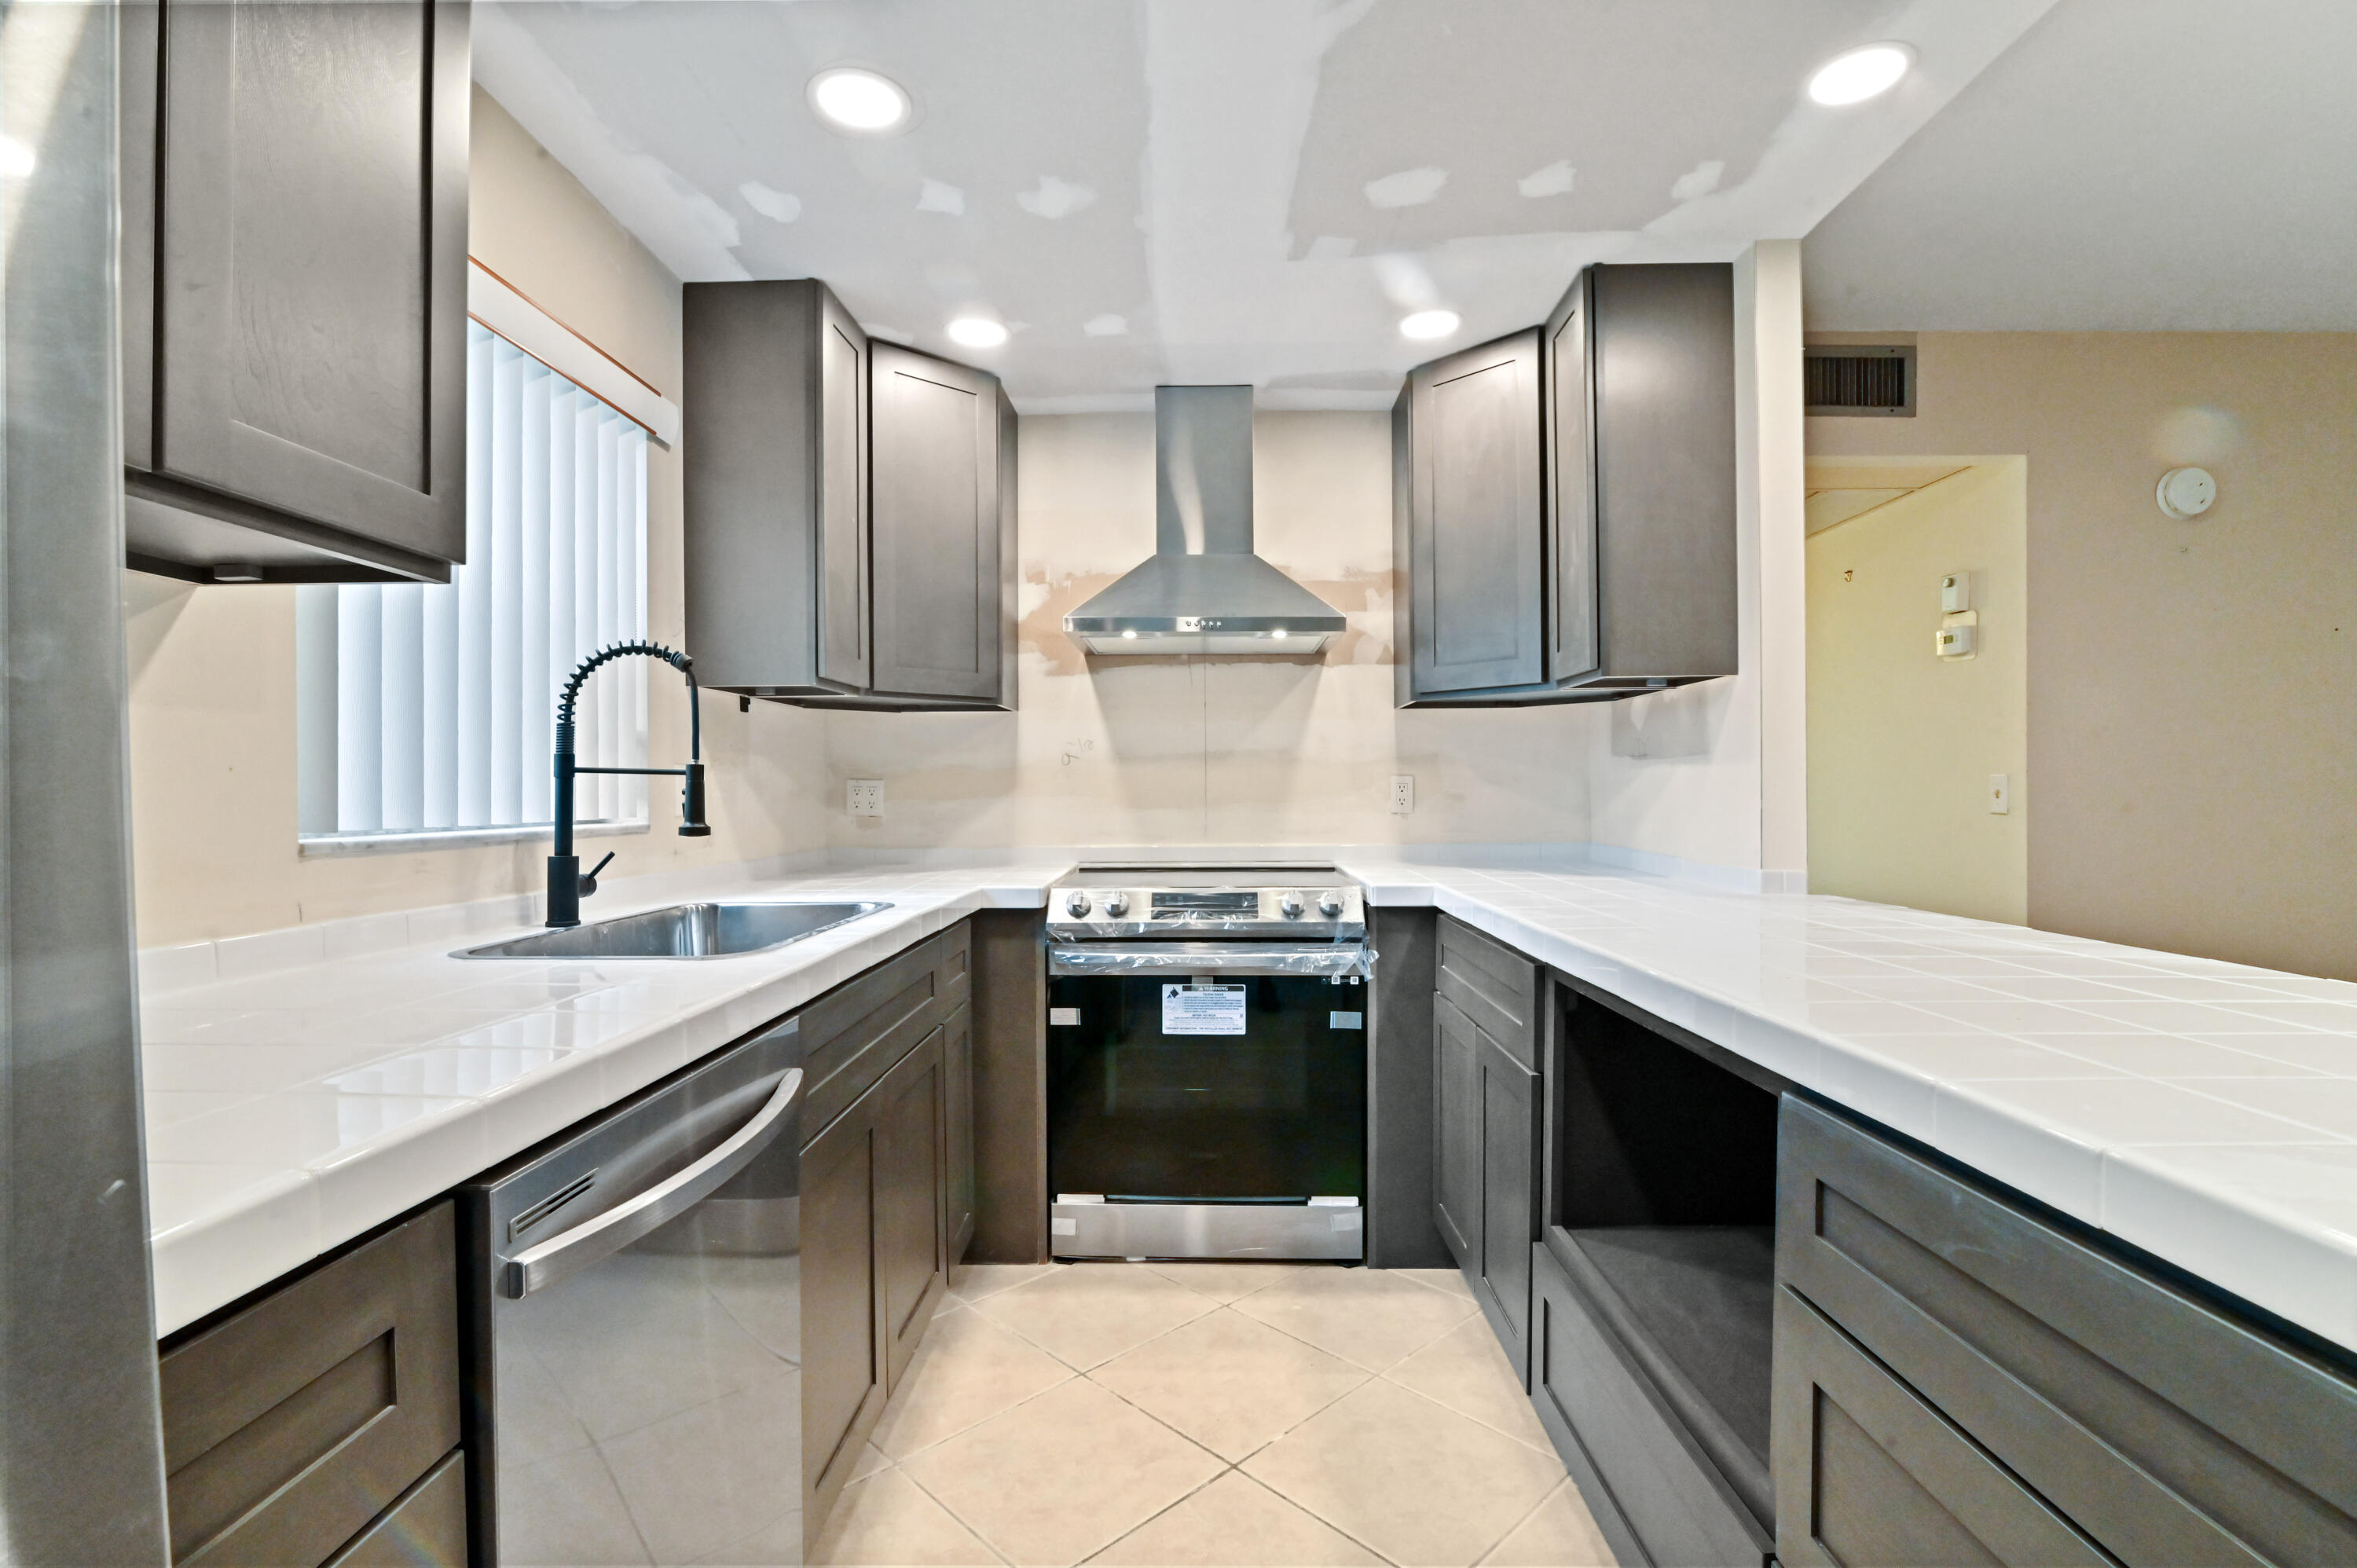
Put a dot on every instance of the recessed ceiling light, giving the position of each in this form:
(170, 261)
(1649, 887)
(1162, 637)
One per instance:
(1860, 74)
(1428, 323)
(978, 332)
(859, 102)
(16, 158)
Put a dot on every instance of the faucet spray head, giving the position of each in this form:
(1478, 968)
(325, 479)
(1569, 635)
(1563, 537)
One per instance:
(692, 824)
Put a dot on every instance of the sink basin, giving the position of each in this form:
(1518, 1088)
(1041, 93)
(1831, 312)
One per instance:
(682, 930)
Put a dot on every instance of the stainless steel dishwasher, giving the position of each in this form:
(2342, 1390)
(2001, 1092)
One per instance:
(634, 1346)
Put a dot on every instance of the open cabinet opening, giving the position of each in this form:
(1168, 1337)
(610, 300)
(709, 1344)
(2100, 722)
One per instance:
(1661, 1211)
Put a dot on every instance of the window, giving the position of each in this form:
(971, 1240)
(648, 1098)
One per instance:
(431, 709)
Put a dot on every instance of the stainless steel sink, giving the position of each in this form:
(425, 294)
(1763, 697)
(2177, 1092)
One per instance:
(682, 930)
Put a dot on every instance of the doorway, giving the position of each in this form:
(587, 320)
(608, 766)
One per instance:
(1917, 658)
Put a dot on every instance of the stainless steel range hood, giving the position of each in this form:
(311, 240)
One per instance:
(1203, 590)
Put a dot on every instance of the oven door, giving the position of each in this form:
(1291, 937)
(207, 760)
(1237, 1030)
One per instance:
(1207, 1099)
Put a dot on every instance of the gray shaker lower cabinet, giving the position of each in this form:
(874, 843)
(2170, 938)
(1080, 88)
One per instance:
(294, 289)
(324, 1412)
(1961, 1380)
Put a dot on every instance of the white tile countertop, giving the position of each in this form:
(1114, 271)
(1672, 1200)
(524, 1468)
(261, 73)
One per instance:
(304, 1086)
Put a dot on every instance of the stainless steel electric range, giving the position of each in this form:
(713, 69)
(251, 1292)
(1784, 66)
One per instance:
(1207, 1062)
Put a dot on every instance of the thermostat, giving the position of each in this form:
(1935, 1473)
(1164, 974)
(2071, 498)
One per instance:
(2186, 492)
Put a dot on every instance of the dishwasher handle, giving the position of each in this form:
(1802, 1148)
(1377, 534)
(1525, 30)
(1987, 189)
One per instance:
(568, 1253)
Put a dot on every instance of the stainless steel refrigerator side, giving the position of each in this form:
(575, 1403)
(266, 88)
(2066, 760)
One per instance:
(82, 1461)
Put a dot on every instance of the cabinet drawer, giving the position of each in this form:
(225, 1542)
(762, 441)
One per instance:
(426, 1529)
(1880, 1477)
(1494, 986)
(2163, 1428)
(853, 1034)
(291, 1425)
(1660, 1487)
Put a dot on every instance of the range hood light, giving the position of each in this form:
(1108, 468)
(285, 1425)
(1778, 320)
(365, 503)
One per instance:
(1130, 635)
(1279, 634)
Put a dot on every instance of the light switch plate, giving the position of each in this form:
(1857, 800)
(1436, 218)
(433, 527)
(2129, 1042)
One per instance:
(2000, 796)
(1953, 641)
(1402, 794)
(863, 796)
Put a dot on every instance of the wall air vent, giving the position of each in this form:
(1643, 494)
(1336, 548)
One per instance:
(1860, 378)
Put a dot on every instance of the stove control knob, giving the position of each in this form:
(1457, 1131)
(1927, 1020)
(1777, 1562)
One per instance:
(1289, 906)
(1117, 905)
(1076, 904)
(1330, 904)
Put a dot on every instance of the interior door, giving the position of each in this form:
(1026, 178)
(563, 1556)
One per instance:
(1478, 556)
(936, 535)
(312, 260)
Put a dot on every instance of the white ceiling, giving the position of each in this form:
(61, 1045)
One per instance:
(1217, 190)
(2130, 165)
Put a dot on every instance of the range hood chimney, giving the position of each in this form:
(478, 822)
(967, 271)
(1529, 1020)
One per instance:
(1203, 590)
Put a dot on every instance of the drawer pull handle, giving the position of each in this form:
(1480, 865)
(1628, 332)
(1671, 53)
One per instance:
(562, 1256)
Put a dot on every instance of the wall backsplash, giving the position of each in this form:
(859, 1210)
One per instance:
(1204, 750)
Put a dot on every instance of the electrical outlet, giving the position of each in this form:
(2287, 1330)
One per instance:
(863, 796)
(1402, 794)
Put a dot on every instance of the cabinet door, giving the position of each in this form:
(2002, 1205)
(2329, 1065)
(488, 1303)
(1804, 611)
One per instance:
(911, 1246)
(1867, 1472)
(843, 1363)
(1510, 1150)
(1570, 487)
(1475, 548)
(935, 527)
(842, 495)
(311, 261)
(957, 1073)
(1456, 1132)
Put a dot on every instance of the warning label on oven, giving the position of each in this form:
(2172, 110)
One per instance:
(1202, 1009)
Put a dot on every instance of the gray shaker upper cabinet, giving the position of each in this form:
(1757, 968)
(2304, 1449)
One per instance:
(1564, 499)
(294, 289)
(849, 508)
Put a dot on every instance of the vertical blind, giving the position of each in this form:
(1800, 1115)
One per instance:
(424, 707)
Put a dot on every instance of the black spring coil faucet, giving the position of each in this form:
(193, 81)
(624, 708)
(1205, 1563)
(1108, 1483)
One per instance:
(567, 885)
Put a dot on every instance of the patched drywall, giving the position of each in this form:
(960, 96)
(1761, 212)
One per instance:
(1201, 750)
(213, 669)
(2192, 757)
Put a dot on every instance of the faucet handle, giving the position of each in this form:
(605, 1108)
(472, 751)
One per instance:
(589, 877)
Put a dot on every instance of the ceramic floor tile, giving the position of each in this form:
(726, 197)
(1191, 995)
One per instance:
(891, 1520)
(1224, 1281)
(1559, 1533)
(1364, 1315)
(1063, 1476)
(1449, 1281)
(1085, 1314)
(972, 1281)
(1418, 1483)
(1229, 1382)
(1467, 1369)
(968, 1370)
(1234, 1522)
(871, 1460)
(778, 1544)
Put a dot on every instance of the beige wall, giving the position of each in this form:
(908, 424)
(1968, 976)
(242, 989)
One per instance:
(1902, 742)
(1209, 751)
(2192, 686)
(213, 669)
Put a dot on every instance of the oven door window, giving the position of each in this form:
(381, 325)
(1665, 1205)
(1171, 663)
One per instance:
(1194, 1098)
